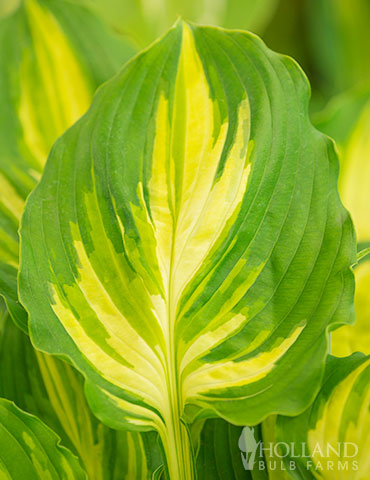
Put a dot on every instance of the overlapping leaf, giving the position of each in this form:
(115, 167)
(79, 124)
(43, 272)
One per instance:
(187, 245)
(53, 55)
(30, 450)
(53, 391)
(334, 431)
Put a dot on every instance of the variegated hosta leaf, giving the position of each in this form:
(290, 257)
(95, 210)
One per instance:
(347, 120)
(53, 391)
(30, 450)
(186, 246)
(332, 437)
(53, 55)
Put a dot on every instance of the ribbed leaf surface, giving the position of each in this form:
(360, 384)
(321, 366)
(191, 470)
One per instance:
(30, 450)
(186, 246)
(219, 456)
(53, 390)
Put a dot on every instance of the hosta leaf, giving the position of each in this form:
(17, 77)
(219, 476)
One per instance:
(53, 55)
(347, 120)
(30, 450)
(335, 429)
(186, 245)
(53, 391)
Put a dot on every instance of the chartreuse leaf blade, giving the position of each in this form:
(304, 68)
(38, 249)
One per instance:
(187, 245)
(334, 431)
(50, 65)
(53, 391)
(29, 449)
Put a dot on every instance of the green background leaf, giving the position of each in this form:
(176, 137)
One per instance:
(339, 35)
(145, 21)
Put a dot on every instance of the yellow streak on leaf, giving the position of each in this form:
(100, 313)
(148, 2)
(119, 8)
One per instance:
(49, 71)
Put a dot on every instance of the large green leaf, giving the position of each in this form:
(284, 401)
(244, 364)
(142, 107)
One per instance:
(29, 450)
(332, 437)
(53, 55)
(53, 391)
(186, 245)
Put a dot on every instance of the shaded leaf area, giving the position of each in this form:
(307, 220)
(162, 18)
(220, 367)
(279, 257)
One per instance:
(144, 22)
(30, 450)
(198, 178)
(53, 391)
(53, 55)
